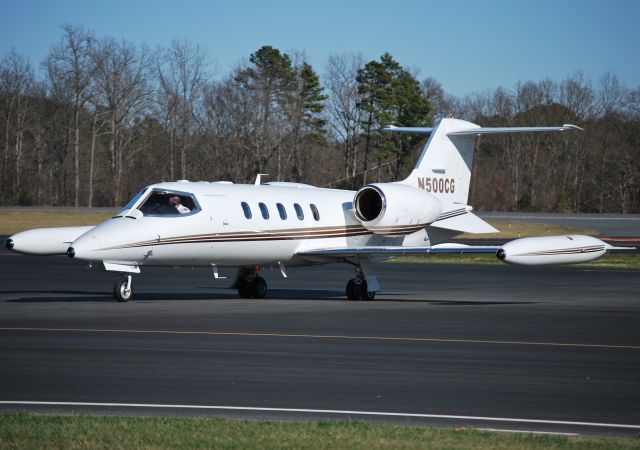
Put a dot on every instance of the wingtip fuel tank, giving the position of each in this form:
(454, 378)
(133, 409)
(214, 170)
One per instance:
(45, 241)
(567, 249)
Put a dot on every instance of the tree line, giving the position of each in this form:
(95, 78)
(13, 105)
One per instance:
(104, 117)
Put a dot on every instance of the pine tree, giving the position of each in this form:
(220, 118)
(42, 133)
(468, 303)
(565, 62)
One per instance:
(390, 96)
(272, 80)
(313, 102)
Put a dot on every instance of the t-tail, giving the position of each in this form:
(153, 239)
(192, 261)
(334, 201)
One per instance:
(436, 192)
(445, 165)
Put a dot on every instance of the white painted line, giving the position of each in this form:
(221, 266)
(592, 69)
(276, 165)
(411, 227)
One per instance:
(325, 411)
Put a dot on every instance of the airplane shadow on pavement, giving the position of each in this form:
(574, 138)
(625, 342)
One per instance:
(73, 296)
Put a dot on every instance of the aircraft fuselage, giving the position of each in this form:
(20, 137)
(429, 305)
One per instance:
(229, 225)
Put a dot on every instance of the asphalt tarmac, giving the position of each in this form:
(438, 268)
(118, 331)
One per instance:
(498, 347)
(611, 225)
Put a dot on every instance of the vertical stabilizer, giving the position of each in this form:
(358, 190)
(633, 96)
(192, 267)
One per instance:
(444, 167)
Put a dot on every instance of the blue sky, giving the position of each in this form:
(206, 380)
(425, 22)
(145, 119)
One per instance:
(469, 46)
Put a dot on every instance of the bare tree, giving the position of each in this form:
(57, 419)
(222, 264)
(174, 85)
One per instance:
(576, 93)
(612, 96)
(71, 66)
(610, 101)
(16, 86)
(343, 115)
(182, 73)
(122, 78)
(228, 118)
(633, 101)
(442, 104)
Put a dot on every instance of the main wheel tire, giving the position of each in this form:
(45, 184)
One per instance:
(120, 291)
(258, 287)
(362, 290)
(352, 290)
(363, 293)
(244, 289)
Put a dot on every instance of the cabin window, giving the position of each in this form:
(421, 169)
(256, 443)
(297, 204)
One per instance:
(246, 209)
(167, 203)
(264, 210)
(282, 211)
(315, 212)
(299, 212)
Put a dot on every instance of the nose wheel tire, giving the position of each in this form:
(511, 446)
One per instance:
(122, 290)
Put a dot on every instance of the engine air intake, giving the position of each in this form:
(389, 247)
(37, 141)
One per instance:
(369, 203)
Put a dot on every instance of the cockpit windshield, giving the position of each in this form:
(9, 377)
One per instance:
(161, 202)
(133, 201)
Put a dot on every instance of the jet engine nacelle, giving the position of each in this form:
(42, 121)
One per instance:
(395, 209)
(535, 251)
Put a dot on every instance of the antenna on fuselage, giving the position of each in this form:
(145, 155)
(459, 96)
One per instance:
(259, 178)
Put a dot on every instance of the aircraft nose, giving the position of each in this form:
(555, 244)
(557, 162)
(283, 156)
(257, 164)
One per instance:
(115, 239)
(85, 246)
(9, 243)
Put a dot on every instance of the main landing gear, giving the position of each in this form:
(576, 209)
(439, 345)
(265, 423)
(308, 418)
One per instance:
(357, 287)
(122, 290)
(250, 284)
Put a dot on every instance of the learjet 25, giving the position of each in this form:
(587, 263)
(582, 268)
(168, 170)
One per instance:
(281, 224)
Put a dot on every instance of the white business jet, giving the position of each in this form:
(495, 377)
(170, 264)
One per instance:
(280, 224)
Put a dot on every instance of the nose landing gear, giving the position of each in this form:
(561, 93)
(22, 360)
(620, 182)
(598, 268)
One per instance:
(122, 290)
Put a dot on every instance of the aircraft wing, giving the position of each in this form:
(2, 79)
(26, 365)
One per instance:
(352, 252)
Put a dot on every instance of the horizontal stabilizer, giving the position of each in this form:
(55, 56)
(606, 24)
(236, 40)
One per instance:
(490, 130)
(410, 130)
(466, 222)
(477, 131)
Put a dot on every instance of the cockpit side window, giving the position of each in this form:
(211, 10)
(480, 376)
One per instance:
(169, 203)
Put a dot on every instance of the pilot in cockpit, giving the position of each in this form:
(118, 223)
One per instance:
(175, 201)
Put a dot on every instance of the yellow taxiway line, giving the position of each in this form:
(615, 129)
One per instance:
(327, 336)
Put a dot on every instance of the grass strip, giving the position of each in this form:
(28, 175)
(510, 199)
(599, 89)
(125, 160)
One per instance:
(510, 229)
(28, 430)
(629, 261)
(12, 222)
